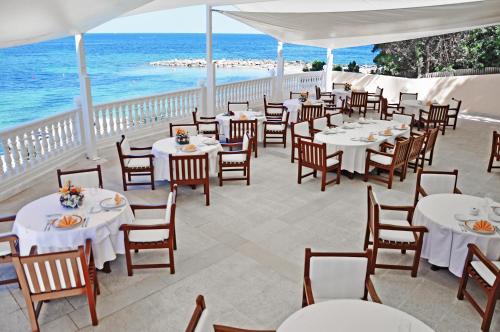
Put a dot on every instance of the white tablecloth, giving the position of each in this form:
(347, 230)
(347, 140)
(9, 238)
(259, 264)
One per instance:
(445, 244)
(163, 148)
(224, 123)
(352, 316)
(102, 229)
(293, 106)
(414, 107)
(341, 93)
(354, 156)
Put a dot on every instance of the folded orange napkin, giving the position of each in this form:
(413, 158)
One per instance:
(118, 199)
(483, 226)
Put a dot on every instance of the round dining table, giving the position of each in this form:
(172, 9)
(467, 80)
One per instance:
(224, 122)
(445, 245)
(34, 226)
(352, 316)
(163, 148)
(347, 139)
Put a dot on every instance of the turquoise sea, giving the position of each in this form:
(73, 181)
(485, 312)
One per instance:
(41, 79)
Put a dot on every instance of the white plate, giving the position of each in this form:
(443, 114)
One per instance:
(109, 203)
(470, 225)
(210, 142)
(465, 217)
(55, 223)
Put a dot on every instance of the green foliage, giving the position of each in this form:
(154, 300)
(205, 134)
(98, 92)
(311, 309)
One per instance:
(317, 65)
(482, 47)
(337, 68)
(353, 67)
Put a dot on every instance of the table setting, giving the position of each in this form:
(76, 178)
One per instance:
(294, 105)
(65, 220)
(198, 144)
(455, 220)
(224, 119)
(413, 106)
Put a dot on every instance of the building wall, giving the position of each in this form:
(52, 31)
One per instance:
(479, 93)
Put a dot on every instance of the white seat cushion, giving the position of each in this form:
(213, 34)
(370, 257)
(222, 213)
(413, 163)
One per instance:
(337, 277)
(337, 119)
(452, 112)
(320, 123)
(150, 235)
(301, 128)
(5, 249)
(373, 98)
(331, 162)
(484, 272)
(233, 158)
(275, 127)
(400, 236)
(206, 127)
(138, 162)
(380, 159)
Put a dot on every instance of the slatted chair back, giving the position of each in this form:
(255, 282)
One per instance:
(199, 321)
(338, 85)
(407, 96)
(312, 155)
(438, 114)
(238, 129)
(317, 90)
(238, 106)
(358, 99)
(298, 94)
(401, 152)
(88, 178)
(416, 147)
(373, 212)
(189, 169)
(430, 140)
(192, 129)
(311, 112)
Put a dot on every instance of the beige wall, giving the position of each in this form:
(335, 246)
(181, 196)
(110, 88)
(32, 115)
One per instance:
(479, 93)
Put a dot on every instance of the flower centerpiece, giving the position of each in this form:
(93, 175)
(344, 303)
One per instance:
(181, 136)
(71, 195)
(347, 87)
(303, 96)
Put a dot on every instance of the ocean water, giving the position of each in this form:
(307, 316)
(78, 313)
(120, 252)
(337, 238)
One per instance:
(41, 79)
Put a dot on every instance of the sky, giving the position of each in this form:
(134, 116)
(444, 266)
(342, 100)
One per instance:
(187, 19)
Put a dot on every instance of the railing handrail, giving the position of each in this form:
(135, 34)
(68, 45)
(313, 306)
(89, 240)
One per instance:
(247, 81)
(37, 122)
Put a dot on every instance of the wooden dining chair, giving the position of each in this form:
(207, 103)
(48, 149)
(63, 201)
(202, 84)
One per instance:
(57, 275)
(272, 109)
(135, 165)
(87, 178)
(237, 106)
(486, 273)
(495, 151)
(338, 86)
(357, 101)
(238, 129)
(207, 125)
(416, 147)
(298, 94)
(408, 96)
(374, 99)
(8, 247)
(320, 95)
(337, 275)
(453, 111)
(190, 170)
(275, 131)
(388, 109)
(331, 106)
(435, 182)
(151, 233)
(314, 156)
(236, 161)
(299, 130)
(427, 153)
(310, 112)
(388, 161)
(201, 321)
(192, 129)
(336, 119)
(437, 117)
(320, 124)
(407, 119)
(397, 234)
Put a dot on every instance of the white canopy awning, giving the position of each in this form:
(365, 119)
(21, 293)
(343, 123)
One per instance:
(338, 29)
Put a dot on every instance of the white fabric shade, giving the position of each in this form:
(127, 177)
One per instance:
(336, 29)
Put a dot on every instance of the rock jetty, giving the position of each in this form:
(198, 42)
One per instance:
(225, 63)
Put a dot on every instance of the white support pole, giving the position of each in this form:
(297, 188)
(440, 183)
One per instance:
(88, 132)
(280, 71)
(210, 65)
(329, 69)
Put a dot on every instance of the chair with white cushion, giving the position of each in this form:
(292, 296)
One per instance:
(398, 234)
(320, 124)
(87, 178)
(201, 320)
(337, 275)
(275, 130)
(299, 130)
(487, 275)
(336, 119)
(406, 119)
(453, 112)
(388, 161)
(192, 129)
(152, 233)
(207, 125)
(236, 160)
(374, 98)
(135, 165)
(436, 116)
(436, 182)
(57, 275)
(8, 247)
(273, 110)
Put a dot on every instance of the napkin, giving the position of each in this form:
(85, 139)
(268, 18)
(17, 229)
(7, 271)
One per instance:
(483, 226)
(67, 221)
(118, 199)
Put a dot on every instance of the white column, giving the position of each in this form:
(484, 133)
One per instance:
(210, 65)
(280, 71)
(88, 133)
(329, 69)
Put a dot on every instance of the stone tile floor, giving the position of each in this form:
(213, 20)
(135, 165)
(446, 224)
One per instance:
(245, 252)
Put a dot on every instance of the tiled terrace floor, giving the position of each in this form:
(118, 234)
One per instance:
(245, 252)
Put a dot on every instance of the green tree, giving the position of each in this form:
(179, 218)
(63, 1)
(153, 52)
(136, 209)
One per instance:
(353, 67)
(482, 47)
(317, 65)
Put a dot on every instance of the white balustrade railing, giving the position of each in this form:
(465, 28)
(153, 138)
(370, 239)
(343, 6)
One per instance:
(302, 81)
(251, 91)
(30, 144)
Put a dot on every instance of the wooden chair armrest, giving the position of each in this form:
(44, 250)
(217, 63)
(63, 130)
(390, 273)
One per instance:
(422, 191)
(147, 207)
(423, 111)
(457, 191)
(232, 144)
(303, 137)
(380, 152)
(372, 292)
(132, 227)
(406, 208)
(207, 118)
(8, 218)
(88, 250)
(475, 251)
(271, 121)
(144, 148)
(338, 153)
(137, 156)
(308, 291)
(231, 152)
(223, 328)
